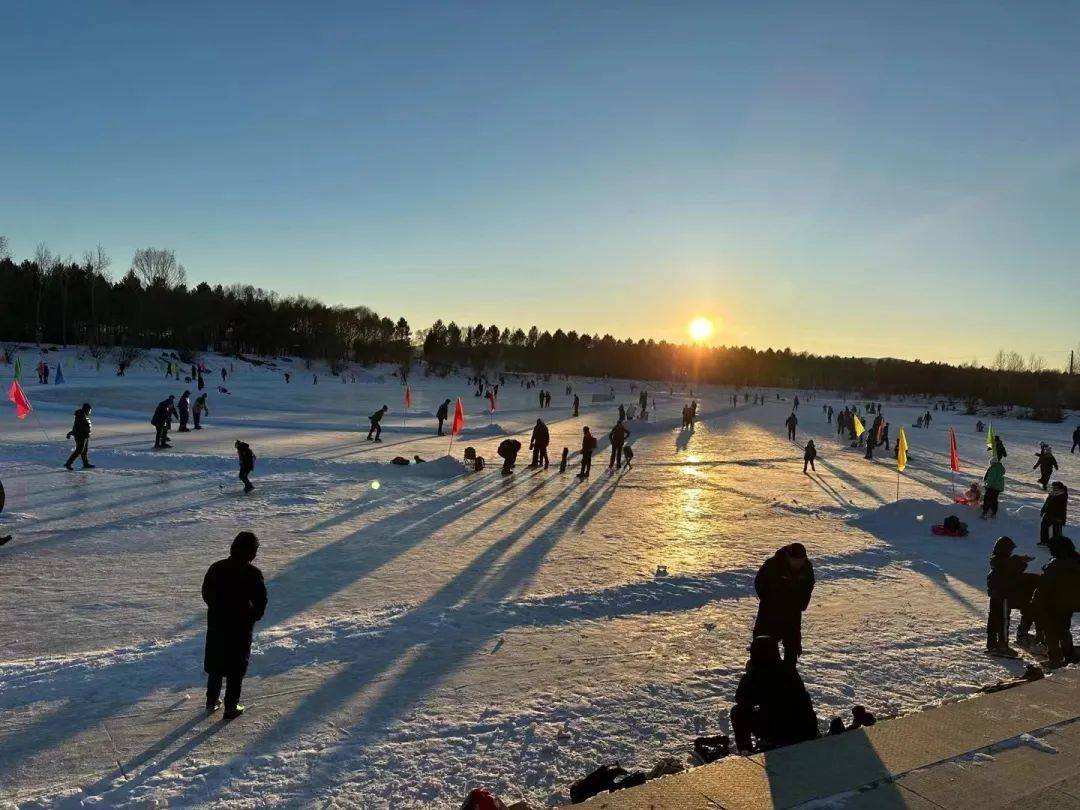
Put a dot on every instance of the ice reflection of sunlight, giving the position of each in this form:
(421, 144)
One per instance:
(691, 465)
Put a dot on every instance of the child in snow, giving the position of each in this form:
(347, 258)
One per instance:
(1002, 584)
(247, 463)
(1053, 512)
(809, 454)
(628, 455)
(375, 432)
(994, 481)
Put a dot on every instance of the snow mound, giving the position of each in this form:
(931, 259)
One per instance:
(444, 467)
(487, 430)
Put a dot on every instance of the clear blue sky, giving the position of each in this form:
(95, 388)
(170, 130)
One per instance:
(864, 178)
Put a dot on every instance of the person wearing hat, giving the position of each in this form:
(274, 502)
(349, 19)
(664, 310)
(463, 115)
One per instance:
(1057, 596)
(80, 432)
(235, 597)
(1054, 510)
(162, 421)
(784, 584)
(1045, 463)
(1003, 583)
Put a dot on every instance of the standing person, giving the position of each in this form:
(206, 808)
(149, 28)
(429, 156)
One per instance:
(999, 448)
(885, 435)
(235, 597)
(784, 584)
(1045, 463)
(1055, 600)
(1005, 580)
(618, 437)
(588, 444)
(830, 413)
(541, 395)
(771, 702)
(1054, 510)
(791, 422)
(80, 431)
(162, 421)
(809, 454)
(376, 424)
(926, 420)
(796, 402)
(993, 486)
(199, 410)
(577, 403)
(622, 412)
(184, 408)
(693, 413)
(870, 437)
(547, 399)
(541, 437)
(7, 537)
(223, 375)
(247, 463)
(442, 415)
(643, 401)
(1076, 441)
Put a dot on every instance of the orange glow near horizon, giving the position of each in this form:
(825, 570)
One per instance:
(701, 329)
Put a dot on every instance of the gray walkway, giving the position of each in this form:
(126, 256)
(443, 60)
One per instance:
(1015, 748)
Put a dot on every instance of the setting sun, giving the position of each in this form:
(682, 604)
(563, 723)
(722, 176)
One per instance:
(701, 329)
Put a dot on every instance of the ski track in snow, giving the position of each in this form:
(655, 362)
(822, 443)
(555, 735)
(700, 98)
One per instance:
(430, 629)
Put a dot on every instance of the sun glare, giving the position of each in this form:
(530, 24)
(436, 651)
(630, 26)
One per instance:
(701, 329)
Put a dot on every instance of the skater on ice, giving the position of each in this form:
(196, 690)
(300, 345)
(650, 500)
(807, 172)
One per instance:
(80, 432)
(247, 463)
(183, 407)
(375, 431)
(784, 585)
(235, 597)
(162, 421)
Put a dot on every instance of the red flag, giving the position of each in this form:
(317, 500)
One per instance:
(408, 397)
(459, 419)
(954, 455)
(491, 401)
(22, 404)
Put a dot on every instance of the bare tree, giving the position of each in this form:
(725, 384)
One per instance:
(5, 249)
(44, 262)
(154, 266)
(97, 264)
(1036, 362)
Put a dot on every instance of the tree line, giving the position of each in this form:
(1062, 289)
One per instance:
(48, 299)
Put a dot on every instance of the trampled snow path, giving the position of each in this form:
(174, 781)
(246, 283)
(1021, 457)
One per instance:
(447, 630)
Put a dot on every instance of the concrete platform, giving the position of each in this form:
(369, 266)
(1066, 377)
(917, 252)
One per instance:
(1010, 749)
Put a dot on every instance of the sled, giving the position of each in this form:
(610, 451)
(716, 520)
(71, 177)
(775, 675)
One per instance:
(963, 500)
(941, 531)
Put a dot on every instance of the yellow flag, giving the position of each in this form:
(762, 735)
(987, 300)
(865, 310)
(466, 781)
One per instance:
(859, 429)
(901, 451)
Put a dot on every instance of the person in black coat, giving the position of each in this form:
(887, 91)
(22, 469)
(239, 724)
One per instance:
(235, 596)
(809, 454)
(541, 438)
(184, 409)
(1004, 583)
(771, 702)
(1045, 463)
(1076, 441)
(375, 431)
(1056, 598)
(617, 436)
(588, 445)
(442, 415)
(247, 463)
(508, 451)
(791, 422)
(577, 404)
(1054, 511)
(622, 412)
(784, 584)
(162, 421)
(80, 432)
(999, 448)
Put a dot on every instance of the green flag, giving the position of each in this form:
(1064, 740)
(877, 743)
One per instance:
(990, 436)
(18, 368)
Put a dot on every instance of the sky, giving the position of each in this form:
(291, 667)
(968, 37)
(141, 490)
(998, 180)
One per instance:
(871, 179)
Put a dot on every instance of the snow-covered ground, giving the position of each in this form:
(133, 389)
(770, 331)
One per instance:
(431, 630)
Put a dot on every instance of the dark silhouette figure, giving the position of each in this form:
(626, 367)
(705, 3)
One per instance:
(1054, 512)
(539, 442)
(375, 431)
(792, 422)
(3, 498)
(771, 702)
(247, 463)
(162, 421)
(618, 436)
(184, 409)
(563, 460)
(1045, 463)
(999, 448)
(508, 452)
(622, 412)
(199, 410)
(1056, 598)
(1004, 584)
(577, 403)
(993, 486)
(547, 399)
(235, 596)
(1076, 441)
(588, 445)
(442, 415)
(784, 584)
(80, 432)
(809, 454)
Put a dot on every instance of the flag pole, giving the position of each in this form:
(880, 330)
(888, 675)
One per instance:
(898, 484)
